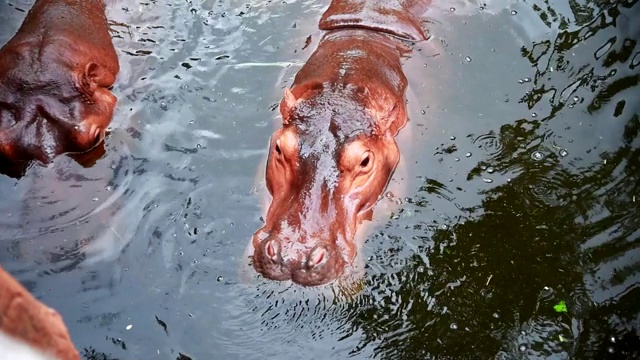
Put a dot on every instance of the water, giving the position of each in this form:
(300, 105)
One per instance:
(521, 178)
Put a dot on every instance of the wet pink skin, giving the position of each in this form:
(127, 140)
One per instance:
(333, 156)
(55, 75)
(336, 151)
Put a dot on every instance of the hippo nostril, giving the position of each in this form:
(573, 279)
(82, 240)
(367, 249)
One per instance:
(271, 248)
(317, 257)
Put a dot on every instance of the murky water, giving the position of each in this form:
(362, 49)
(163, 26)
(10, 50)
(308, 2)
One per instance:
(517, 237)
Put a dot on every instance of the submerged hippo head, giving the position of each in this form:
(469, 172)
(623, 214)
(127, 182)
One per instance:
(54, 95)
(326, 168)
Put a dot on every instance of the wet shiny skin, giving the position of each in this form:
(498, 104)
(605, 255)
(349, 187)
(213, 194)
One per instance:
(332, 158)
(54, 79)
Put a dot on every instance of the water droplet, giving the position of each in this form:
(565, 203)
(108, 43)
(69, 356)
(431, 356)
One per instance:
(491, 170)
(520, 81)
(612, 339)
(527, 79)
(181, 253)
(108, 188)
(576, 98)
(191, 122)
(95, 199)
(563, 152)
(522, 347)
(420, 269)
(457, 159)
(496, 315)
(611, 350)
(513, 12)
(129, 327)
(444, 226)
(195, 261)
(220, 278)
(487, 180)
(198, 146)
(453, 326)
(422, 112)
(468, 154)
(388, 195)
(537, 155)
(534, 115)
(163, 105)
(468, 58)
(452, 9)
(452, 138)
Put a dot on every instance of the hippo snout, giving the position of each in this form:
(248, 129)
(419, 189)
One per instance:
(278, 258)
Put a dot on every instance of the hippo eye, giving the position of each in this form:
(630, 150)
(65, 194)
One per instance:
(365, 162)
(278, 147)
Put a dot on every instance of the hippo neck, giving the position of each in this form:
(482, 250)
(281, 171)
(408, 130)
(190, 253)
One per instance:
(361, 67)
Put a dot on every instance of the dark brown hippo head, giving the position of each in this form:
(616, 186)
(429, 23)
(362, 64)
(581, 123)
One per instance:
(55, 75)
(326, 168)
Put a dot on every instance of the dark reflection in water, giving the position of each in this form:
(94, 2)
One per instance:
(522, 192)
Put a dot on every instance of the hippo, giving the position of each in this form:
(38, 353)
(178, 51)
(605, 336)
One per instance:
(335, 152)
(28, 328)
(55, 80)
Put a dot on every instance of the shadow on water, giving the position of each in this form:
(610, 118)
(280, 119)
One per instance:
(518, 237)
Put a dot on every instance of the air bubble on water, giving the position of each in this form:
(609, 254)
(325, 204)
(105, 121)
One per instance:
(108, 188)
(537, 155)
(195, 261)
(388, 195)
(453, 326)
(422, 112)
(534, 115)
(522, 347)
(570, 106)
(220, 278)
(191, 122)
(180, 253)
(163, 105)
(563, 152)
(198, 146)
(457, 159)
(520, 81)
(452, 9)
(576, 98)
(468, 58)
(491, 170)
(467, 154)
(95, 199)
(452, 138)
(483, 167)
(513, 12)
(420, 269)
(444, 227)
(487, 180)
(527, 79)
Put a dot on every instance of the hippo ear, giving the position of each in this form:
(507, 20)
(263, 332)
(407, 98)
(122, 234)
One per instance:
(87, 81)
(286, 104)
(92, 77)
(391, 120)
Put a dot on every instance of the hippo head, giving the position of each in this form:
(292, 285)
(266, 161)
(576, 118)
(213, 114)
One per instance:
(54, 98)
(326, 168)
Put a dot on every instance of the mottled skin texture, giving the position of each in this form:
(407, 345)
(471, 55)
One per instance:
(336, 150)
(25, 318)
(55, 75)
